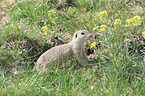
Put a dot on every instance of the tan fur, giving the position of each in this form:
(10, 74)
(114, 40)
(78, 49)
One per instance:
(59, 54)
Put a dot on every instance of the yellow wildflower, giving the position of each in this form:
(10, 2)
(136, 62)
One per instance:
(143, 33)
(128, 21)
(103, 15)
(95, 28)
(142, 42)
(52, 32)
(126, 40)
(103, 29)
(52, 14)
(101, 18)
(93, 45)
(103, 26)
(44, 28)
(117, 22)
(136, 18)
(102, 57)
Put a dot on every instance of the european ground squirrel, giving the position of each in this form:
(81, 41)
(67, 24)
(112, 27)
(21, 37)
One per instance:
(61, 53)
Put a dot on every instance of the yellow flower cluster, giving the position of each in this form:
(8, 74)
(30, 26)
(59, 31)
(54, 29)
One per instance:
(46, 30)
(103, 27)
(117, 22)
(129, 21)
(96, 28)
(103, 13)
(93, 45)
(143, 33)
(52, 32)
(136, 20)
(126, 40)
(103, 16)
(52, 15)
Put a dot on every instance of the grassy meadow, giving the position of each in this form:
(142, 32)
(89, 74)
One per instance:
(30, 27)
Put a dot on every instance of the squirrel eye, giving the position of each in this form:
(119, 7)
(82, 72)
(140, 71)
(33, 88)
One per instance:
(83, 33)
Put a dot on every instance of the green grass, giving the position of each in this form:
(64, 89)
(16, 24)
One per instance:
(119, 70)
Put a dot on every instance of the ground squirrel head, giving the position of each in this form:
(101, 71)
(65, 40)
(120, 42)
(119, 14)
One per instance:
(81, 36)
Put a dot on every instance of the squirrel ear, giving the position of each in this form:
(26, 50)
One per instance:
(75, 36)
